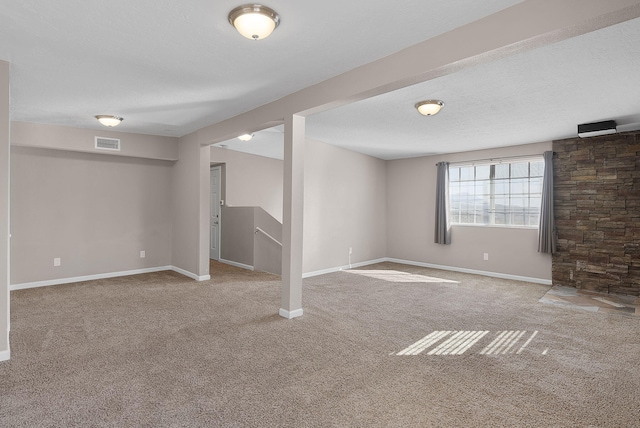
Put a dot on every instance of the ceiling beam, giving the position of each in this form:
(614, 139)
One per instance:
(522, 27)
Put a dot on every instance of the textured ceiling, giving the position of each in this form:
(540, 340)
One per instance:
(536, 96)
(171, 68)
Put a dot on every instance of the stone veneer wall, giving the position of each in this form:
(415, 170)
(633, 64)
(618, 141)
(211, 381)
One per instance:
(597, 212)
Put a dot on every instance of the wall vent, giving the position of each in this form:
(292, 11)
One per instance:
(103, 143)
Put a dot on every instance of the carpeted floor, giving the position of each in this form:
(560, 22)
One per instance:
(390, 346)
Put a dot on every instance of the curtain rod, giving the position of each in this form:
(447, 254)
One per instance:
(495, 160)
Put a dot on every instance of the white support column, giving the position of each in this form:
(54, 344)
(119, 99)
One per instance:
(4, 211)
(293, 210)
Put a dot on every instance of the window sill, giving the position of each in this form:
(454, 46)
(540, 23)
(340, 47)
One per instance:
(495, 226)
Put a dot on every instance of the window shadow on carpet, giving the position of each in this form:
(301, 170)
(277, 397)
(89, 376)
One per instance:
(398, 276)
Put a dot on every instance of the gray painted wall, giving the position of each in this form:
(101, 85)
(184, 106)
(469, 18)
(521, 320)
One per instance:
(345, 201)
(83, 140)
(159, 196)
(185, 193)
(267, 254)
(344, 206)
(236, 237)
(190, 222)
(379, 209)
(96, 212)
(241, 244)
(411, 212)
(385, 209)
(251, 180)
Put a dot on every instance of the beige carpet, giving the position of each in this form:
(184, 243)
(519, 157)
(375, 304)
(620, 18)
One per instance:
(394, 346)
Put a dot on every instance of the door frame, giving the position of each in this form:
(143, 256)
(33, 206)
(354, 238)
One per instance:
(211, 171)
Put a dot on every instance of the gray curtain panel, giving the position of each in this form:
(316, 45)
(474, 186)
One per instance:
(547, 229)
(443, 229)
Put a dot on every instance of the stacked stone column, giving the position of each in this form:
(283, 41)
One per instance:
(597, 213)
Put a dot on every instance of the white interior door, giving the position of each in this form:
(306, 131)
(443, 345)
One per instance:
(214, 239)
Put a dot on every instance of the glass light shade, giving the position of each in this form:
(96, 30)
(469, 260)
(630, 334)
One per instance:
(109, 121)
(245, 137)
(429, 107)
(254, 21)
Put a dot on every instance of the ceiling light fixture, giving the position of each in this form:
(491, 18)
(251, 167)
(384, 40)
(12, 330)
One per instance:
(254, 21)
(108, 120)
(429, 107)
(245, 137)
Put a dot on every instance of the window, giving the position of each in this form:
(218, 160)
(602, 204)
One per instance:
(507, 193)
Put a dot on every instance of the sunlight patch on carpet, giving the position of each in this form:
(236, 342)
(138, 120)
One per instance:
(505, 343)
(458, 343)
(397, 276)
(453, 342)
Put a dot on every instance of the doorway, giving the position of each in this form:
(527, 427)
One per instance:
(215, 188)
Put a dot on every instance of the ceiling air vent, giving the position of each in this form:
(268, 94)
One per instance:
(597, 128)
(103, 143)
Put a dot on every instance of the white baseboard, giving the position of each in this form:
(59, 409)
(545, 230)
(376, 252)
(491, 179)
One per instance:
(433, 266)
(305, 275)
(236, 264)
(5, 355)
(71, 280)
(86, 278)
(473, 271)
(289, 315)
(339, 268)
(189, 274)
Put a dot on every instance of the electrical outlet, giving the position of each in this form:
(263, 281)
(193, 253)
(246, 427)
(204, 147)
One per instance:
(350, 250)
(143, 254)
(486, 256)
(56, 261)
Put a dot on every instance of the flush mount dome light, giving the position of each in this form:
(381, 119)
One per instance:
(429, 107)
(245, 137)
(254, 21)
(108, 120)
